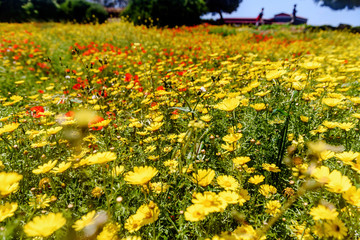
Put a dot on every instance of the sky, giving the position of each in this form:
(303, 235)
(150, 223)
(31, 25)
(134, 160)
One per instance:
(315, 14)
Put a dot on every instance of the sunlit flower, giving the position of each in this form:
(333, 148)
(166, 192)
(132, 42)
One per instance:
(228, 104)
(256, 179)
(203, 177)
(140, 175)
(109, 232)
(210, 201)
(270, 167)
(40, 201)
(9, 182)
(45, 167)
(228, 182)
(195, 213)
(84, 221)
(117, 170)
(272, 207)
(101, 157)
(63, 166)
(44, 225)
(323, 212)
(338, 183)
(267, 190)
(7, 210)
(335, 228)
(241, 160)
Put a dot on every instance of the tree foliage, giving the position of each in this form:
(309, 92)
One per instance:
(165, 12)
(227, 6)
(220, 6)
(12, 11)
(339, 4)
(51, 10)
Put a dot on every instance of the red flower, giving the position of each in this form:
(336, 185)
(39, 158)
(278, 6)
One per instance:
(35, 111)
(160, 88)
(96, 119)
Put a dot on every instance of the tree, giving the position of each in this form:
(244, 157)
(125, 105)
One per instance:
(339, 4)
(165, 12)
(12, 10)
(220, 6)
(43, 10)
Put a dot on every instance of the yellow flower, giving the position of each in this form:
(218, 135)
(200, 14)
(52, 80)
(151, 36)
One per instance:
(322, 212)
(54, 130)
(298, 85)
(335, 228)
(154, 126)
(206, 118)
(258, 106)
(172, 165)
(203, 177)
(133, 223)
(346, 126)
(245, 232)
(16, 98)
(338, 183)
(330, 125)
(196, 124)
(229, 197)
(9, 128)
(321, 175)
(9, 182)
(84, 221)
(109, 232)
(232, 137)
(331, 102)
(272, 207)
(270, 167)
(40, 144)
(241, 160)
(62, 167)
(327, 154)
(228, 182)
(45, 167)
(228, 104)
(157, 187)
(267, 190)
(352, 196)
(243, 196)
(229, 147)
(311, 65)
(304, 119)
(97, 192)
(44, 225)
(210, 202)
(274, 74)
(149, 212)
(40, 201)
(256, 179)
(7, 210)
(195, 213)
(117, 170)
(347, 157)
(101, 157)
(140, 175)
(103, 123)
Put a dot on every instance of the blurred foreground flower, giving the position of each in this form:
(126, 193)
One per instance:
(44, 225)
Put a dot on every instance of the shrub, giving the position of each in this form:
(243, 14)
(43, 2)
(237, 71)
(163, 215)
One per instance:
(82, 11)
(165, 12)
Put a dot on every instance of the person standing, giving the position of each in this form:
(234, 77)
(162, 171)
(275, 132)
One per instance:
(259, 19)
(293, 17)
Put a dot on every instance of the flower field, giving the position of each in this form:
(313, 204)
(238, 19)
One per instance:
(118, 131)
